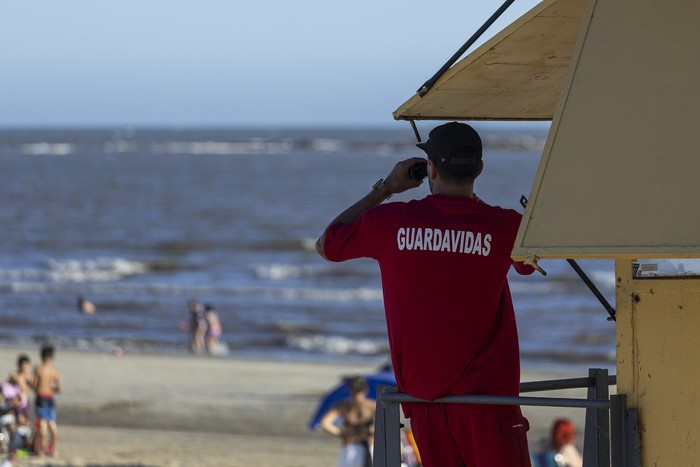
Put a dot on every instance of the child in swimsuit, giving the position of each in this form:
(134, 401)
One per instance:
(46, 383)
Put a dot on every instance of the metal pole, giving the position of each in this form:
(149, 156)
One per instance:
(428, 85)
(584, 277)
(379, 451)
(503, 400)
(597, 436)
(624, 433)
(617, 433)
(387, 441)
(387, 430)
(569, 383)
(415, 130)
(632, 437)
(602, 417)
(593, 288)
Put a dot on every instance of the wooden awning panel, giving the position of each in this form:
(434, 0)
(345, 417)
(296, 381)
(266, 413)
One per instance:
(618, 174)
(516, 75)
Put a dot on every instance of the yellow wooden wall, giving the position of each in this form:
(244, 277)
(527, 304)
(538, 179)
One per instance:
(658, 364)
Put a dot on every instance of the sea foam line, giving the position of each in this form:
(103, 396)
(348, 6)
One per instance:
(336, 345)
(72, 270)
(285, 293)
(278, 271)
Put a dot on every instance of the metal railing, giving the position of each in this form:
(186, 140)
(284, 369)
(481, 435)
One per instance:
(610, 438)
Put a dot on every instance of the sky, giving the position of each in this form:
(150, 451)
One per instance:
(226, 62)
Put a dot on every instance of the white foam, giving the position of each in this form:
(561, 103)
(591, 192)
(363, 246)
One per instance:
(97, 284)
(280, 271)
(533, 288)
(73, 270)
(52, 149)
(121, 147)
(604, 279)
(308, 244)
(332, 295)
(326, 145)
(527, 142)
(21, 274)
(25, 287)
(336, 345)
(93, 270)
(254, 146)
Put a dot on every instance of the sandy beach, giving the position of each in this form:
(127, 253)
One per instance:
(174, 410)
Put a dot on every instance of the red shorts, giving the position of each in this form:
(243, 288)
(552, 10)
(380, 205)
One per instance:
(459, 435)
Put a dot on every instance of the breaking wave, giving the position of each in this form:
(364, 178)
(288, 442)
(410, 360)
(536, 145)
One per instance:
(231, 142)
(337, 345)
(74, 270)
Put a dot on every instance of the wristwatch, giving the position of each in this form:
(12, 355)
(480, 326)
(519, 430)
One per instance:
(381, 186)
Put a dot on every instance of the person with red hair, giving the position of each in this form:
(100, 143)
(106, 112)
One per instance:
(564, 443)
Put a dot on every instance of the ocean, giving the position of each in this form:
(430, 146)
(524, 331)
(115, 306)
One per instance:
(140, 221)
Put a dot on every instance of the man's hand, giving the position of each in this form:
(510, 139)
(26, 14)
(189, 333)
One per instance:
(399, 179)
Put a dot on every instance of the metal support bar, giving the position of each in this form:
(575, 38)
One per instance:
(428, 85)
(557, 384)
(592, 287)
(505, 400)
(415, 130)
(596, 449)
(584, 277)
(601, 411)
(624, 433)
(617, 431)
(387, 431)
(632, 438)
(379, 451)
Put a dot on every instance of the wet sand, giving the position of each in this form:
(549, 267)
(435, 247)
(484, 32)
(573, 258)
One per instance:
(163, 410)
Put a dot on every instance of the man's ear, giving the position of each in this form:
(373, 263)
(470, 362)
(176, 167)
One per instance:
(480, 169)
(432, 170)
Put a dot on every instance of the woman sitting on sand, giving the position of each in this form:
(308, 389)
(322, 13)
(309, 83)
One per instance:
(357, 428)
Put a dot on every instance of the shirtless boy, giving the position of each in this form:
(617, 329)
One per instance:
(47, 382)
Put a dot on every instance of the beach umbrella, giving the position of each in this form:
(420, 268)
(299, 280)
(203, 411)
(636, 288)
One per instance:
(342, 392)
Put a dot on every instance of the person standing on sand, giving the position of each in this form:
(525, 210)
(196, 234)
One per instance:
(46, 384)
(197, 327)
(214, 329)
(450, 321)
(357, 429)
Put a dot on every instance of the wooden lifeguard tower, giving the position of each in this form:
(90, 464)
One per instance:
(620, 81)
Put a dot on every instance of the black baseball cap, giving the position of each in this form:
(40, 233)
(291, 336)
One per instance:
(453, 143)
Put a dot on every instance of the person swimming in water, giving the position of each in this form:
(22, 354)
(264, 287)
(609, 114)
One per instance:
(85, 306)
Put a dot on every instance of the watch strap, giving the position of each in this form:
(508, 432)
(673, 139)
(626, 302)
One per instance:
(381, 186)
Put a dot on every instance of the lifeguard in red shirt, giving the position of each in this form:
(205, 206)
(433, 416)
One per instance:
(444, 261)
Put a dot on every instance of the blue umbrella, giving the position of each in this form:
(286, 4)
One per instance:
(342, 392)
